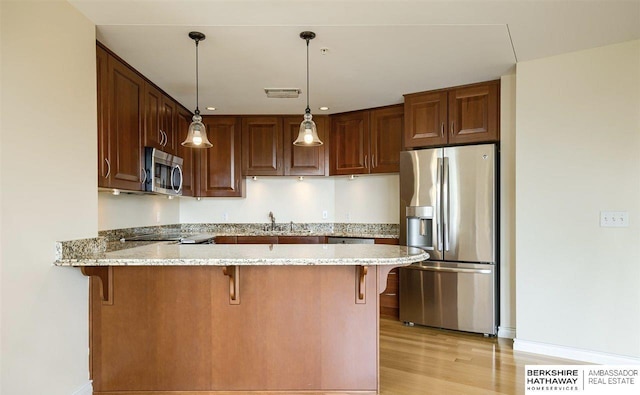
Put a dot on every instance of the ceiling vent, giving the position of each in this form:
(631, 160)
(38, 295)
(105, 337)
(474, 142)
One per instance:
(282, 93)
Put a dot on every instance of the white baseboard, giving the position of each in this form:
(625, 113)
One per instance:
(86, 389)
(575, 354)
(507, 332)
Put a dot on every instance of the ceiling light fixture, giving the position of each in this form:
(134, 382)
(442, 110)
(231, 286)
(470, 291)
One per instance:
(197, 135)
(308, 135)
(211, 108)
(282, 93)
(323, 108)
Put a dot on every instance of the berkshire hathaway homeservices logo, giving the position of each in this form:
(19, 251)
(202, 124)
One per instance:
(582, 379)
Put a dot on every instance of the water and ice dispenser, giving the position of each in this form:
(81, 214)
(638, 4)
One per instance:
(420, 227)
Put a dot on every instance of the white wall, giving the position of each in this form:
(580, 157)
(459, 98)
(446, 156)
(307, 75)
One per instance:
(366, 199)
(48, 159)
(578, 152)
(507, 206)
(129, 211)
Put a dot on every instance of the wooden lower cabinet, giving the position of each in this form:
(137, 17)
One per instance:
(389, 298)
(257, 240)
(302, 239)
(296, 328)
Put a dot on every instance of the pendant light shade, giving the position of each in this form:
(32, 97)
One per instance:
(308, 134)
(197, 135)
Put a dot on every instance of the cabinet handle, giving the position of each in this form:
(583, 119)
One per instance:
(108, 168)
(373, 161)
(366, 164)
(453, 123)
(144, 175)
(442, 129)
(166, 138)
(163, 138)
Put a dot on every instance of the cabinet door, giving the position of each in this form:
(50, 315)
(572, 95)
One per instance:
(220, 165)
(389, 302)
(188, 155)
(474, 114)
(153, 136)
(104, 164)
(125, 97)
(425, 118)
(301, 240)
(349, 143)
(262, 146)
(387, 126)
(257, 239)
(168, 125)
(300, 160)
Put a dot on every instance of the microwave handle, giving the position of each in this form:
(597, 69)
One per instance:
(172, 183)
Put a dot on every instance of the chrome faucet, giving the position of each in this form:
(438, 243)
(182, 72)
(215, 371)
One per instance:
(273, 220)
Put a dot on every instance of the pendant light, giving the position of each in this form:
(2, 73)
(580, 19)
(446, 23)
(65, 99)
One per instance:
(308, 135)
(197, 135)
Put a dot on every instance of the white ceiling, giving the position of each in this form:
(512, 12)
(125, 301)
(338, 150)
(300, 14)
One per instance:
(377, 50)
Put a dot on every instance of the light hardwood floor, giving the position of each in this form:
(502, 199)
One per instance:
(424, 361)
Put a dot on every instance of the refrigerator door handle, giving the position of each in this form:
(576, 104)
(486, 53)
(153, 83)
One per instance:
(438, 214)
(448, 269)
(445, 202)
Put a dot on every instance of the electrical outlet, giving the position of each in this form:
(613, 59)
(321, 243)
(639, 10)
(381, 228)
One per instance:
(614, 219)
(158, 216)
(325, 214)
(225, 217)
(348, 217)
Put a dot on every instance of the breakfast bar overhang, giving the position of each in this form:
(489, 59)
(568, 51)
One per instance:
(174, 319)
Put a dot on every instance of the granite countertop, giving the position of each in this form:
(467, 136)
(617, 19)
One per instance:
(172, 254)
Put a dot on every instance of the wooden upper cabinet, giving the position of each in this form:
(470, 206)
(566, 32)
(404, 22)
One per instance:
(153, 136)
(125, 106)
(188, 155)
(300, 160)
(364, 142)
(168, 119)
(349, 143)
(159, 120)
(387, 125)
(219, 169)
(460, 115)
(262, 145)
(425, 119)
(104, 163)
(474, 114)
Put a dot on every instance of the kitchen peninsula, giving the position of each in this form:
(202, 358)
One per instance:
(173, 319)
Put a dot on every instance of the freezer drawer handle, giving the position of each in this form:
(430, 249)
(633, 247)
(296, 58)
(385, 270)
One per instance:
(450, 270)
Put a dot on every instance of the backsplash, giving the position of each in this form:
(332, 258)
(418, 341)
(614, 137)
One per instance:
(84, 247)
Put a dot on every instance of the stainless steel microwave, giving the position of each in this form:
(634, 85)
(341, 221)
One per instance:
(163, 172)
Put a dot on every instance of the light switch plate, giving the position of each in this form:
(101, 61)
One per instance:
(614, 219)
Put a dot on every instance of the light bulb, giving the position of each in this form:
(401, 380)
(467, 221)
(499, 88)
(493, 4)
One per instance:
(308, 137)
(197, 140)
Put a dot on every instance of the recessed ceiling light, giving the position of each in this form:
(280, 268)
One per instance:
(211, 108)
(323, 108)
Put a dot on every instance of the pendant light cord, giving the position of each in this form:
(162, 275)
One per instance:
(197, 81)
(308, 109)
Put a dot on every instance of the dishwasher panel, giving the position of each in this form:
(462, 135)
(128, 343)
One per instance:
(449, 295)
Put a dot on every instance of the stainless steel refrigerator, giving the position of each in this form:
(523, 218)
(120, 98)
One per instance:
(448, 206)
